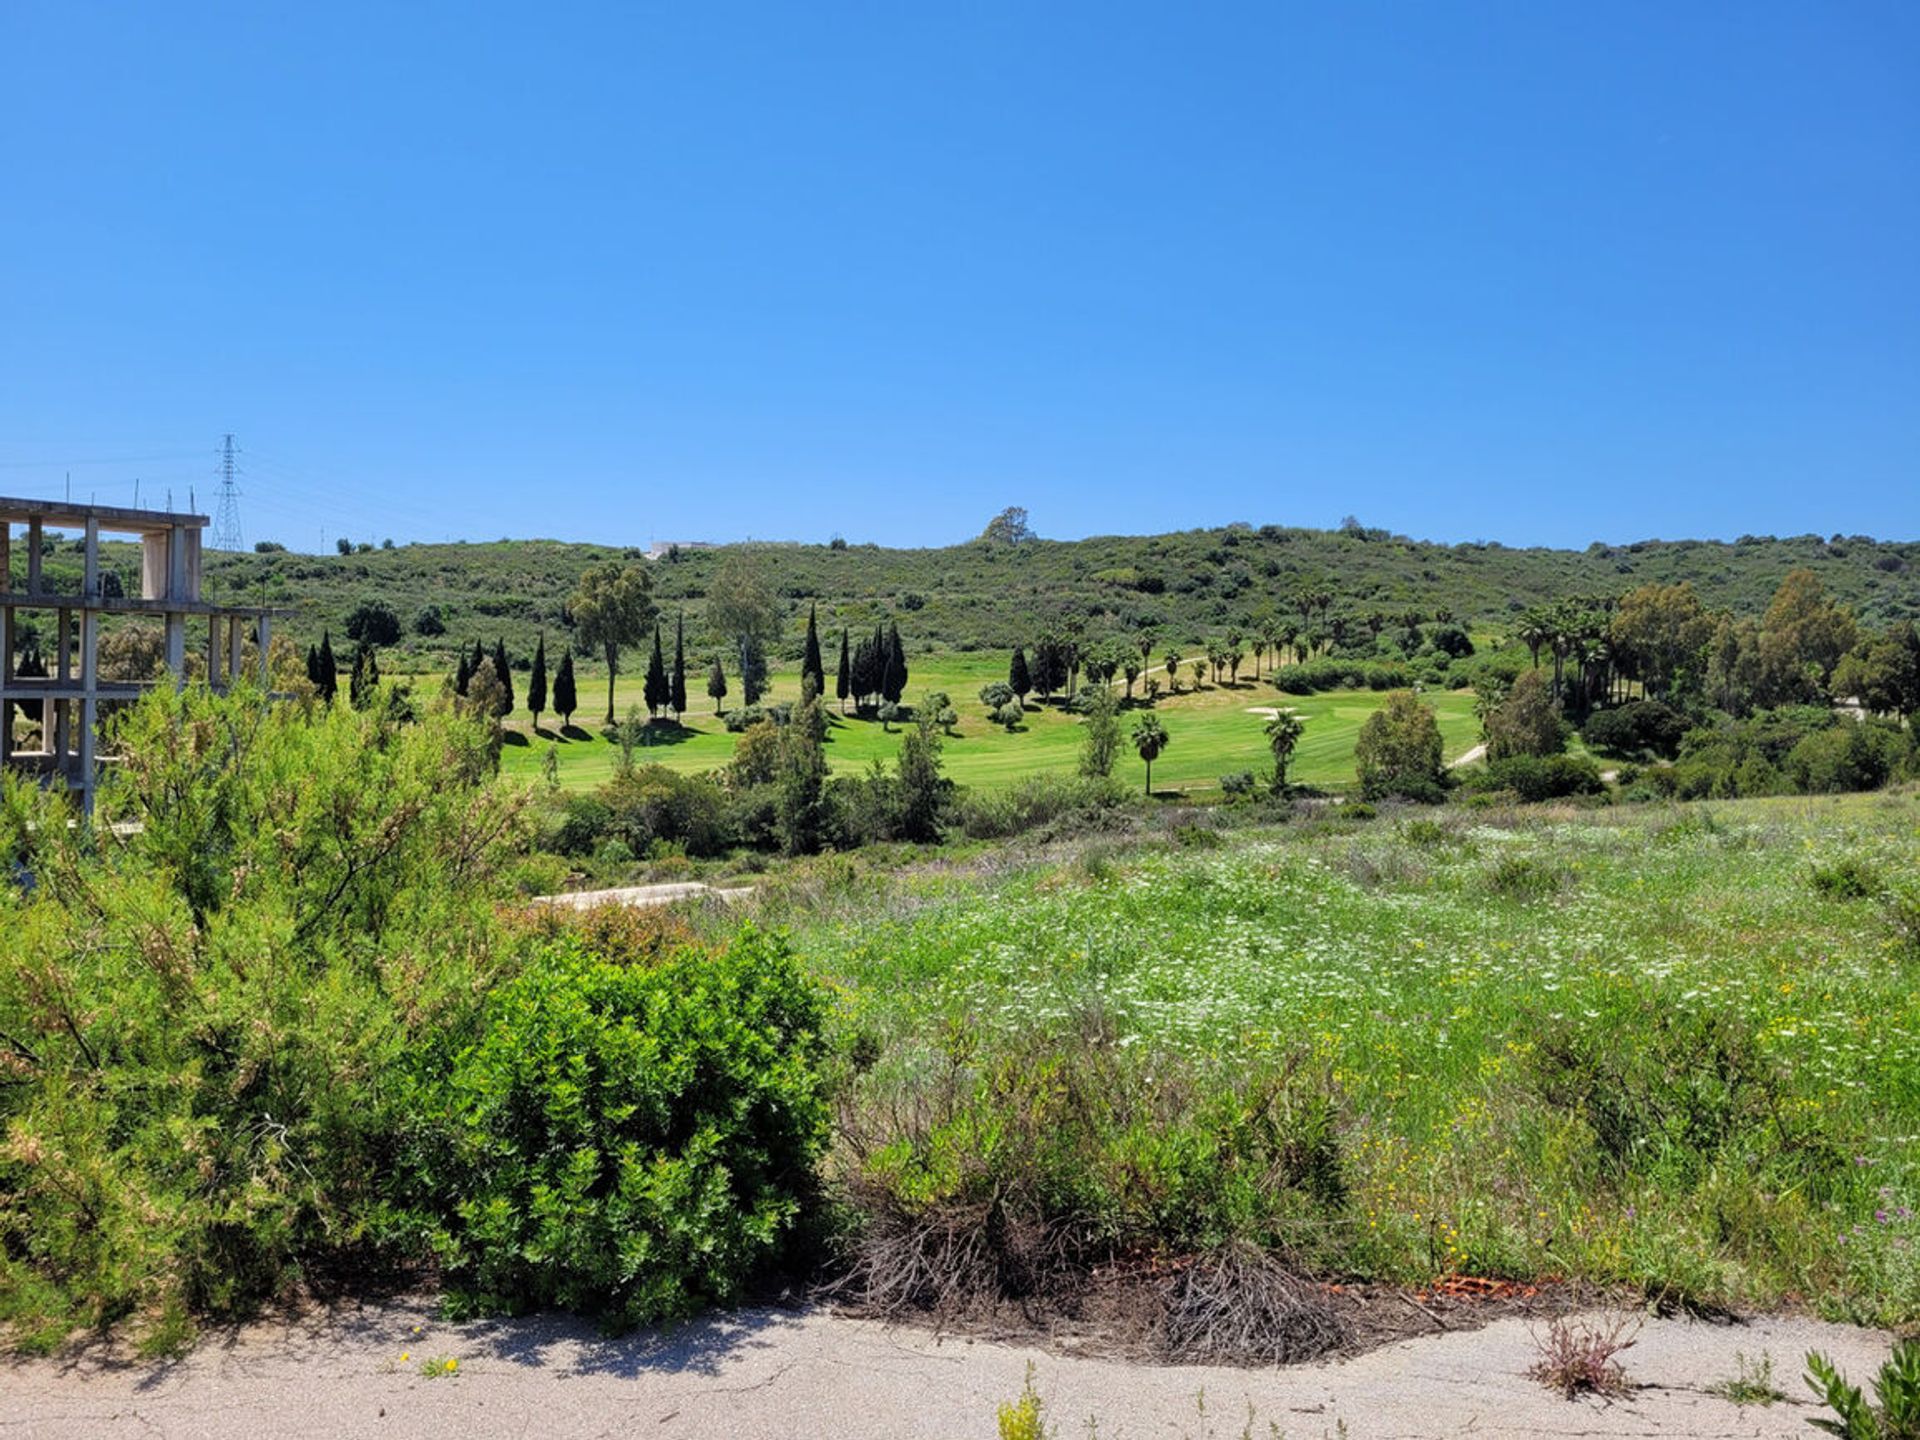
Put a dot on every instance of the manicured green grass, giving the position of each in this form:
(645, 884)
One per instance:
(1739, 1120)
(1212, 731)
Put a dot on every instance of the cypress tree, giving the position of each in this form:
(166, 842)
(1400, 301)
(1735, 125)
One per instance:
(506, 677)
(810, 661)
(462, 673)
(329, 680)
(475, 661)
(365, 679)
(537, 681)
(658, 691)
(894, 683)
(717, 684)
(313, 665)
(1018, 680)
(843, 687)
(564, 697)
(753, 669)
(679, 695)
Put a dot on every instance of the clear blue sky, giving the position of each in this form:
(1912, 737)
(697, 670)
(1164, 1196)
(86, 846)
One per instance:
(1537, 272)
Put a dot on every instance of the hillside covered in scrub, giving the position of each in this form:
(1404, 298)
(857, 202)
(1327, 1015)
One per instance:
(991, 594)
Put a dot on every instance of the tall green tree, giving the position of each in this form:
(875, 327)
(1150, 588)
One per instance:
(327, 679)
(1099, 733)
(800, 808)
(742, 609)
(717, 684)
(1019, 679)
(1150, 738)
(1399, 751)
(678, 695)
(1526, 722)
(922, 790)
(894, 681)
(504, 673)
(658, 690)
(565, 698)
(843, 683)
(613, 609)
(364, 682)
(537, 681)
(1803, 636)
(1283, 737)
(810, 662)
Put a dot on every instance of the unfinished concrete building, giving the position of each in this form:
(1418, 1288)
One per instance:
(70, 695)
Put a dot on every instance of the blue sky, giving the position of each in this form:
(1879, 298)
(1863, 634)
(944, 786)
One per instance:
(1535, 272)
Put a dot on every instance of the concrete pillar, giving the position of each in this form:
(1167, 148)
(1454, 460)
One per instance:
(213, 652)
(90, 701)
(177, 563)
(63, 710)
(264, 638)
(236, 648)
(177, 648)
(90, 587)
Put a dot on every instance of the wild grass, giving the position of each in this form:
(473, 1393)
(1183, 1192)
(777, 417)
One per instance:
(1673, 1065)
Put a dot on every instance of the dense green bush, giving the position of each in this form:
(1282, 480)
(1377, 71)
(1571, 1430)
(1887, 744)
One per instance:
(1805, 749)
(1534, 778)
(200, 1018)
(1045, 801)
(1312, 676)
(1057, 1151)
(1847, 756)
(1399, 751)
(1637, 728)
(633, 1141)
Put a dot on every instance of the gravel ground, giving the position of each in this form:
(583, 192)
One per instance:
(357, 1371)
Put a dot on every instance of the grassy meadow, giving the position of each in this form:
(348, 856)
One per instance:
(1647, 1047)
(1213, 732)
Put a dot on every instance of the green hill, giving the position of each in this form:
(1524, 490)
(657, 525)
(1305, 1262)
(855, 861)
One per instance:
(981, 595)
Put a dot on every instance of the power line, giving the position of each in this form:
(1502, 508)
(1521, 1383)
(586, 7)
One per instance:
(226, 522)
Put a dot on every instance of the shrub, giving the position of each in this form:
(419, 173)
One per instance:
(1578, 1357)
(1062, 804)
(1637, 728)
(1399, 751)
(632, 1141)
(1535, 778)
(1013, 1174)
(651, 804)
(1526, 723)
(1895, 1416)
(217, 1004)
(1848, 878)
(1522, 877)
(1844, 757)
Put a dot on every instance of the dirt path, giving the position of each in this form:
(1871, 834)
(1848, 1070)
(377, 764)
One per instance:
(643, 896)
(760, 1375)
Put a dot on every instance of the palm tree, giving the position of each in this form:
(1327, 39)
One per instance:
(1283, 733)
(1149, 738)
(1533, 632)
(1172, 661)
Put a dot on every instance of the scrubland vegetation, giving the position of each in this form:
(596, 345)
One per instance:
(297, 1026)
(1627, 996)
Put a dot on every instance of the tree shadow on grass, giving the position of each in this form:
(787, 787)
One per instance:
(574, 732)
(665, 732)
